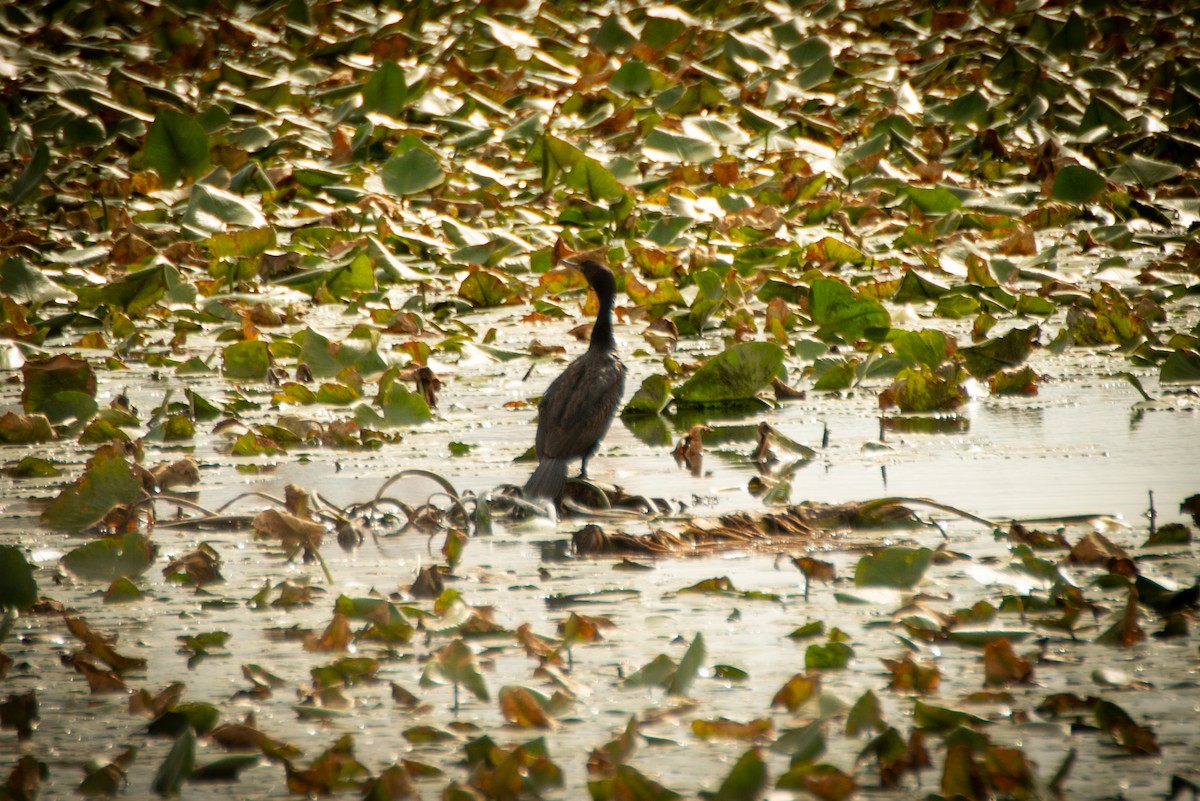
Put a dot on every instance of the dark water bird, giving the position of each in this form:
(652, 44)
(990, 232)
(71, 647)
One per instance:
(578, 407)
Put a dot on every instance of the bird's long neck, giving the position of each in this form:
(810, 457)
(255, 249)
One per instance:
(602, 331)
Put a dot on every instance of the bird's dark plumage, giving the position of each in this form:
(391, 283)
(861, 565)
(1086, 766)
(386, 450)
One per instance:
(578, 407)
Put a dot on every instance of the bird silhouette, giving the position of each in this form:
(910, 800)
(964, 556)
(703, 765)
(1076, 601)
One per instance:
(578, 407)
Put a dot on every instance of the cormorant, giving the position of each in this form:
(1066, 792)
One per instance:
(578, 407)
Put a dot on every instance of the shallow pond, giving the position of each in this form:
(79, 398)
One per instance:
(1083, 446)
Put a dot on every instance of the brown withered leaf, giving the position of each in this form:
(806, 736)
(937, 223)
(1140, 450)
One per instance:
(662, 335)
(897, 758)
(1191, 505)
(797, 690)
(289, 529)
(1002, 666)
(99, 680)
(603, 761)
(814, 570)
(245, 737)
(393, 783)
(129, 249)
(25, 781)
(1126, 631)
(584, 628)
(143, 703)
(689, 451)
(482, 620)
(1035, 538)
(538, 349)
(404, 698)
(909, 676)
(563, 251)
(520, 707)
(786, 391)
(428, 584)
(336, 637)
(201, 566)
(823, 781)
(19, 711)
(1095, 549)
(295, 593)
(261, 677)
(101, 647)
(1136, 739)
(726, 729)
(297, 501)
(1010, 771)
(535, 645)
(273, 265)
(1020, 242)
(21, 429)
(334, 770)
(427, 385)
(181, 473)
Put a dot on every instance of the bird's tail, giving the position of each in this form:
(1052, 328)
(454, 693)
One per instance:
(548, 480)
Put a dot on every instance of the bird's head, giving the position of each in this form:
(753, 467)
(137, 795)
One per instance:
(599, 277)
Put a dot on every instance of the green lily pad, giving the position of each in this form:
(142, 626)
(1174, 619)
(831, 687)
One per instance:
(745, 781)
(928, 347)
(18, 587)
(248, 360)
(1182, 366)
(412, 172)
(1076, 184)
(651, 398)
(111, 558)
(841, 313)
(981, 637)
(25, 283)
(921, 389)
(735, 374)
(594, 179)
(689, 667)
(46, 379)
(898, 566)
(1144, 171)
(176, 147)
(828, 656)
(666, 146)
(177, 766)
(210, 210)
(990, 357)
(386, 91)
(134, 293)
(108, 482)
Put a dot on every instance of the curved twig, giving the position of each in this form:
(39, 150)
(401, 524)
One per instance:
(954, 510)
(251, 494)
(446, 485)
(583, 482)
(175, 499)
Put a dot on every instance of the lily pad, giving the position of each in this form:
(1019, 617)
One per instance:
(412, 172)
(898, 566)
(108, 482)
(651, 397)
(176, 147)
(111, 558)
(1076, 184)
(841, 313)
(18, 588)
(735, 374)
